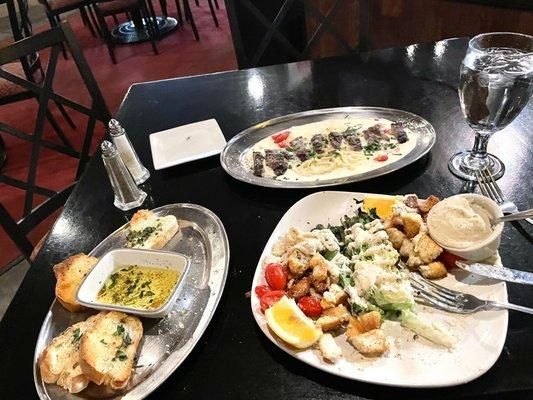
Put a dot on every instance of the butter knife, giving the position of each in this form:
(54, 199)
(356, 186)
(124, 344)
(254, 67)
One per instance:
(496, 272)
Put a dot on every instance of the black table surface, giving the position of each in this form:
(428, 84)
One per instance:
(234, 360)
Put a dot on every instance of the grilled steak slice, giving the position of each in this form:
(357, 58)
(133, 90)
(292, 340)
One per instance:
(301, 148)
(258, 167)
(277, 160)
(353, 141)
(399, 131)
(318, 142)
(335, 138)
(374, 134)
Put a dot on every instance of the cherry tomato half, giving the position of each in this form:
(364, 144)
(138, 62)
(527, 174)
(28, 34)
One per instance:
(449, 259)
(280, 136)
(381, 157)
(275, 276)
(270, 298)
(283, 145)
(262, 290)
(310, 306)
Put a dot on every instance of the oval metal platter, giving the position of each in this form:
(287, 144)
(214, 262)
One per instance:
(166, 342)
(233, 154)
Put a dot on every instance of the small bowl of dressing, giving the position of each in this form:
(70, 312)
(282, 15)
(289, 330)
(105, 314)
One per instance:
(141, 282)
(461, 224)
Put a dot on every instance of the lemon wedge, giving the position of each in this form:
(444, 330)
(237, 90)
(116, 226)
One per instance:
(290, 324)
(381, 202)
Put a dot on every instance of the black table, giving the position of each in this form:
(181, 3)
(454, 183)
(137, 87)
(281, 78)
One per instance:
(234, 360)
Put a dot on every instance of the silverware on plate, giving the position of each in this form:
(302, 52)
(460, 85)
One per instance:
(497, 272)
(490, 189)
(456, 302)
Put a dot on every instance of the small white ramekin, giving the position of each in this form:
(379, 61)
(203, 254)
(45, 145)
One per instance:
(484, 249)
(113, 260)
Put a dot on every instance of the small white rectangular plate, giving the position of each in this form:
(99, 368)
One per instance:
(411, 361)
(186, 143)
(116, 259)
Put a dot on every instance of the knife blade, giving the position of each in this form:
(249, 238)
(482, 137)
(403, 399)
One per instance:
(496, 272)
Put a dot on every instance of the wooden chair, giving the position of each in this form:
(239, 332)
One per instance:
(97, 111)
(279, 31)
(140, 13)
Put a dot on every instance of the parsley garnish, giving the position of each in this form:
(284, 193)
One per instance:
(120, 355)
(76, 335)
(120, 330)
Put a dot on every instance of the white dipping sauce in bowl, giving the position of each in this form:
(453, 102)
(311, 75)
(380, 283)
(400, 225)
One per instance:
(462, 225)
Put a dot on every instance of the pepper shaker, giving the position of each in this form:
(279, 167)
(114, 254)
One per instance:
(139, 173)
(127, 194)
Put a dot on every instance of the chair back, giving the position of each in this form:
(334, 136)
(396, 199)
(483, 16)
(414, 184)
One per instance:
(97, 111)
(279, 31)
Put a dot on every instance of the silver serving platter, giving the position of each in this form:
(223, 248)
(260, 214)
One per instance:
(166, 342)
(232, 156)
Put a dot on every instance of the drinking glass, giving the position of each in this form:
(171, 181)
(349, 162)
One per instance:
(496, 83)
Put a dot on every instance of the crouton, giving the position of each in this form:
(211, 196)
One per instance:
(333, 318)
(329, 349)
(407, 249)
(434, 270)
(387, 223)
(396, 237)
(320, 268)
(370, 320)
(413, 262)
(299, 289)
(411, 224)
(411, 201)
(428, 204)
(427, 249)
(320, 287)
(335, 295)
(371, 343)
(298, 262)
(355, 328)
(326, 304)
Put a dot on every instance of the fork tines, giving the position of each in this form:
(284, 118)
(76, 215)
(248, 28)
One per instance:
(438, 296)
(488, 185)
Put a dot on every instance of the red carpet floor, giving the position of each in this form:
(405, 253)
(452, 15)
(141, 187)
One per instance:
(179, 55)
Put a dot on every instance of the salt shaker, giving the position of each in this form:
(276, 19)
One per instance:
(127, 194)
(139, 173)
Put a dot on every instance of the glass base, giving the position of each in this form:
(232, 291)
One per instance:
(464, 165)
(132, 204)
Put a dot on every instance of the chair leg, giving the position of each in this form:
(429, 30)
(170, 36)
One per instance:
(53, 20)
(216, 5)
(115, 19)
(86, 21)
(213, 14)
(94, 20)
(178, 9)
(151, 24)
(107, 37)
(189, 17)
(197, 3)
(163, 5)
(57, 129)
(67, 117)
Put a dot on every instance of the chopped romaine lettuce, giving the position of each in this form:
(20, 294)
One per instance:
(430, 330)
(393, 295)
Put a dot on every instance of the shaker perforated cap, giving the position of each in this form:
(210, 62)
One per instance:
(115, 129)
(108, 148)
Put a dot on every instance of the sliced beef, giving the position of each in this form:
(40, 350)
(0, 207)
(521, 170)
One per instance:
(300, 147)
(353, 141)
(335, 138)
(318, 142)
(277, 160)
(258, 166)
(399, 131)
(374, 134)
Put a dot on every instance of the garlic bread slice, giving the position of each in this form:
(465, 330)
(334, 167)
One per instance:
(70, 274)
(108, 348)
(148, 231)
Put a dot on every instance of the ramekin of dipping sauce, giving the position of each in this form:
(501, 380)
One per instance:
(461, 225)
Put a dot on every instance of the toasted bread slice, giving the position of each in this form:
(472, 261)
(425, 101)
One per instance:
(70, 274)
(60, 362)
(108, 348)
(148, 231)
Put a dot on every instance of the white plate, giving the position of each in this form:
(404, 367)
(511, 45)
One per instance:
(186, 143)
(410, 362)
(116, 259)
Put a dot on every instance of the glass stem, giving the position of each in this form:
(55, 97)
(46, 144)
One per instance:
(480, 145)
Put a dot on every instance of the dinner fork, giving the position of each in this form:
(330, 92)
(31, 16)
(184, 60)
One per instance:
(456, 302)
(490, 189)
